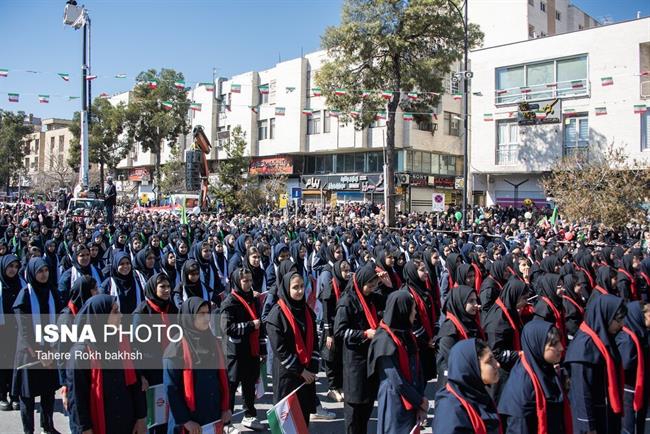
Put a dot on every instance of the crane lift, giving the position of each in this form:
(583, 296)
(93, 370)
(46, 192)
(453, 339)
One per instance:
(199, 154)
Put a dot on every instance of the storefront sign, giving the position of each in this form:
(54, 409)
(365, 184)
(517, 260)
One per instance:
(271, 166)
(362, 183)
(444, 182)
(139, 174)
(419, 180)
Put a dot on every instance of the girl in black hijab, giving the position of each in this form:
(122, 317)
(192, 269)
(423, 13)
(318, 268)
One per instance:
(355, 324)
(10, 286)
(549, 306)
(202, 254)
(533, 400)
(626, 280)
(252, 262)
(168, 266)
(633, 346)
(426, 319)
(463, 404)
(390, 279)
(493, 284)
(605, 282)
(462, 322)
(594, 365)
(573, 303)
(191, 284)
(123, 284)
(143, 266)
(291, 327)
(503, 326)
(393, 359)
(194, 372)
(37, 303)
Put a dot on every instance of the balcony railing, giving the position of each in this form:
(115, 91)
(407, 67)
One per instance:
(576, 152)
(565, 89)
(508, 155)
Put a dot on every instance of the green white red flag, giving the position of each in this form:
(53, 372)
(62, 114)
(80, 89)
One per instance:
(64, 75)
(600, 111)
(153, 84)
(264, 89)
(180, 84)
(316, 91)
(280, 111)
(4, 72)
(286, 416)
(235, 88)
(167, 105)
(606, 81)
(14, 97)
(195, 106)
(157, 406)
(640, 108)
(340, 92)
(44, 99)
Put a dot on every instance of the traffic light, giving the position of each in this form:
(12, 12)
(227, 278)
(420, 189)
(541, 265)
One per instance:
(192, 170)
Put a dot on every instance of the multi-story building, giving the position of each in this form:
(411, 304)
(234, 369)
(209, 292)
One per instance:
(596, 83)
(56, 145)
(327, 159)
(503, 22)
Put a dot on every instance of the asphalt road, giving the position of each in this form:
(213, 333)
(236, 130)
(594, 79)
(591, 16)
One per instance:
(10, 421)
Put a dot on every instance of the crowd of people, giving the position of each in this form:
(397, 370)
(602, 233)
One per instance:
(516, 325)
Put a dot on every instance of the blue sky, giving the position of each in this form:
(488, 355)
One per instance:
(191, 36)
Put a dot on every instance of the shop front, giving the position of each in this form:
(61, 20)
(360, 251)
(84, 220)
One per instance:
(423, 187)
(342, 188)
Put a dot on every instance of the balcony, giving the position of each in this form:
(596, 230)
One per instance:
(578, 153)
(538, 92)
(508, 155)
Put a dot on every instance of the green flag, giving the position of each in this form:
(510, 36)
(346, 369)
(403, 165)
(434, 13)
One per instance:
(554, 216)
(183, 213)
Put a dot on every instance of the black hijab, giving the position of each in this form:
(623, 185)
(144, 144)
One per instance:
(151, 293)
(80, 291)
(202, 343)
(412, 278)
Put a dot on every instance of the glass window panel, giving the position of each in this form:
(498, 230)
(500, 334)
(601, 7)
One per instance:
(373, 162)
(358, 162)
(510, 79)
(326, 121)
(435, 163)
(537, 76)
(349, 163)
(426, 162)
(409, 161)
(327, 163)
(417, 162)
(340, 163)
(572, 70)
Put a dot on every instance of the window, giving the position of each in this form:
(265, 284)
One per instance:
(272, 92)
(262, 129)
(645, 131)
(326, 121)
(581, 27)
(452, 124)
(558, 15)
(375, 162)
(447, 165)
(224, 99)
(272, 128)
(51, 162)
(61, 143)
(542, 6)
(52, 143)
(454, 87)
(531, 31)
(417, 161)
(36, 143)
(576, 135)
(426, 162)
(264, 97)
(507, 143)
(313, 123)
(321, 164)
(530, 82)
(27, 163)
(435, 163)
(36, 163)
(308, 84)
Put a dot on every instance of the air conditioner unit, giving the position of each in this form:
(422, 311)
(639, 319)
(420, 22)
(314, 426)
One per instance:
(403, 178)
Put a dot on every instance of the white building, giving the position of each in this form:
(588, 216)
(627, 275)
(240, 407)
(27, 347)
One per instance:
(597, 77)
(503, 22)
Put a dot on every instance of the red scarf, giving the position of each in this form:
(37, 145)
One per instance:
(496, 281)
(403, 358)
(188, 378)
(633, 288)
(478, 278)
(165, 317)
(515, 327)
(601, 289)
(646, 278)
(73, 308)
(592, 283)
(97, 416)
(640, 369)
(461, 329)
(540, 402)
(613, 377)
(427, 319)
(303, 352)
(474, 417)
(370, 312)
(336, 288)
(559, 321)
(254, 337)
(575, 303)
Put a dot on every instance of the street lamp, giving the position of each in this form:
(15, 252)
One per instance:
(77, 18)
(465, 75)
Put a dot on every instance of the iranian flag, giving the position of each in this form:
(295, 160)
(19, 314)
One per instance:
(380, 115)
(13, 97)
(551, 85)
(407, 116)
(157, 406)
(103, 95)
(316, 91)
(577, 84)
(167, 105)
(153, 84)
(639, 108)
(568, 112)
(4, 72)
(70, 98)
(355, 114)
(215, 427)
(195, 106)
(600, 111)
(120, 76)
(606, 81)
(488, 117)
(307, 111)
(91, 77)
(264, 89)
(340, 92)
(64, 75)
(644, 73)
(502, 91)
(412, 96)
(280, 111)
(235, 88)
(457, 97)
(335, 113)
(365, 93)
(525, 89)
(540, 114)
(180, 84)
(387, 94)
(286, 416)
(208, 86)
(44, 99)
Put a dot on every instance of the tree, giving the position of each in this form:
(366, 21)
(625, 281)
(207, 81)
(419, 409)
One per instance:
(106, 145)
(606, 188)
(234, 190)
(173, 174)
(397, 45)
(57, 174)
(157, 111)
(12, 145)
